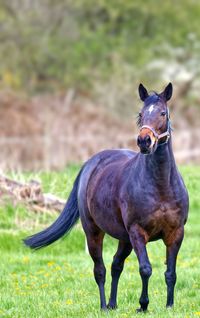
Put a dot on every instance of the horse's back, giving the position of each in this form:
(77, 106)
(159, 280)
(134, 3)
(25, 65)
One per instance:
(102, 159)
(112, 154)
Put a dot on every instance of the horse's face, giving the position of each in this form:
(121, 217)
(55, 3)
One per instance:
(153, 119)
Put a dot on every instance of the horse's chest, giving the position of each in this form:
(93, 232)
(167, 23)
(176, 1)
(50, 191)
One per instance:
(162, 221)
(165, 214)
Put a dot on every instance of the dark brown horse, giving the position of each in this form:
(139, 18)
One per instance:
(134, 197)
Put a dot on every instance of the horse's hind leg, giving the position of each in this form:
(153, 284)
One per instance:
(95, 245)
(123, 251)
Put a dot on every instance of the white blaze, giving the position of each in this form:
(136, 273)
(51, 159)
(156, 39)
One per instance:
(151, 108)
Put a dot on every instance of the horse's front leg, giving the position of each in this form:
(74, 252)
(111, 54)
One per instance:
(173, 246)
(137, 239)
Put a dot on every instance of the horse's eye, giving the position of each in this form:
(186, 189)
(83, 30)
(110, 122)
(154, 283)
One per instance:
(140, 114)
(163, 113)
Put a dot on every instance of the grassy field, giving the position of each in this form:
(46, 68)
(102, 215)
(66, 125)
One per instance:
(58, 281)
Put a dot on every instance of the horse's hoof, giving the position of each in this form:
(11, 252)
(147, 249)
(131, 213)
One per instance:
(111, 306)
(170, 307)
(104, 308)
(139, 310)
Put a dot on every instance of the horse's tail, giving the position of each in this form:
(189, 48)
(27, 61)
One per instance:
(64, 223)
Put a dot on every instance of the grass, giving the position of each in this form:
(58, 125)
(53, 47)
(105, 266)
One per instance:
(58, 281)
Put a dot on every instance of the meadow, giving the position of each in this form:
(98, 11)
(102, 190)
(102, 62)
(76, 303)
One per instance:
(58, 281)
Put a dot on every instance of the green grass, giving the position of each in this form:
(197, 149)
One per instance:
(58, 281)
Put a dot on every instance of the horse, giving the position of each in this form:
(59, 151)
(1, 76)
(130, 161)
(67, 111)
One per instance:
(135, 197)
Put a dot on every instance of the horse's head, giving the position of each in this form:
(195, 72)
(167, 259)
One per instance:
(153, 119)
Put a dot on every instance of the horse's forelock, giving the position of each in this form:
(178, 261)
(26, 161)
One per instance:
(153, 98)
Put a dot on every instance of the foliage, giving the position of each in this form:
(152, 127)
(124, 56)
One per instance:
(58, 281)
(49, 44)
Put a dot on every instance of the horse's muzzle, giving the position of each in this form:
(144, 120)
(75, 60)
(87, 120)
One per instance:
(147, 141)
(144, 143)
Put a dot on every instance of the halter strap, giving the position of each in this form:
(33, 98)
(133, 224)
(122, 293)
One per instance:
(166, 133)
(159, 136)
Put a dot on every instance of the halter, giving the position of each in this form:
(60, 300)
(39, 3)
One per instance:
(159, 136)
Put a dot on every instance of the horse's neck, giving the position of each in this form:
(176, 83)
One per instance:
(161, 164)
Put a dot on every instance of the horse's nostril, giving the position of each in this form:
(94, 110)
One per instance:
(148, 140)
(144, 142)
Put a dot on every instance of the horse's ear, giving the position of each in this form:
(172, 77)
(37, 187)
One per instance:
(167, 93)
(142, 92)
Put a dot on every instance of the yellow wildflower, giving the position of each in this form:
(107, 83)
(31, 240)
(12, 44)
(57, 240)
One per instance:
(46, 274)
(26, 259)
(50, 263)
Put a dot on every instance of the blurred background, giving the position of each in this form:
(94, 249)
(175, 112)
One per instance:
(69, 73)
(69, 76)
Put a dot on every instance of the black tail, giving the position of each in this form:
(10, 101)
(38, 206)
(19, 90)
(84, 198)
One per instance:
(64, 223)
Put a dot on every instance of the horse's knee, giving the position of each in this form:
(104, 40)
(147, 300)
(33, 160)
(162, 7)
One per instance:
(170, 278)
(145, 270)
(100, 273)
(117, 267)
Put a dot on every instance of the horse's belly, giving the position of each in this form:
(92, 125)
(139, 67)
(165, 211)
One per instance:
(116, 231)
(109, 223)
(106, 214)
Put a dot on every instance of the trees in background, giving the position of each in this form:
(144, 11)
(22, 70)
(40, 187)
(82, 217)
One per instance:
(101, 47)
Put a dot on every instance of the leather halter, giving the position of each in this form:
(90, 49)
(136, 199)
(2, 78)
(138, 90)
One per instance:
(159, 136)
